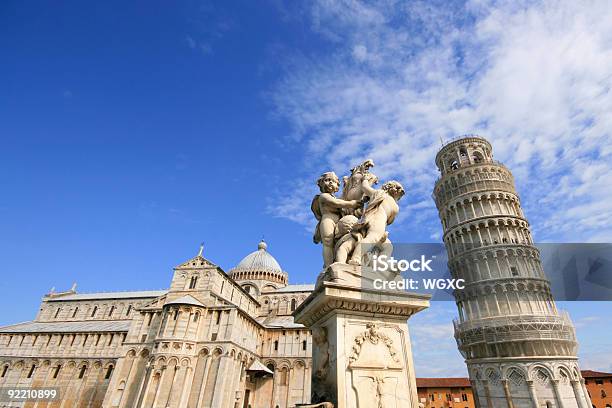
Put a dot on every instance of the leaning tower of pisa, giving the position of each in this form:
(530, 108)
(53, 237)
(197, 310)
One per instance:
(519, 349)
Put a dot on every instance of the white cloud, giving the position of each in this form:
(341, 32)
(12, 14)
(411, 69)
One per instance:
(534, 78)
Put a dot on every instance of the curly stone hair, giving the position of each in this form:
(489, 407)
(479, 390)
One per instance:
(324, 176)
(394, 187)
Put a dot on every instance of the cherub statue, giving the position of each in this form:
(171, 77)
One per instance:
(381, 211)
(327, 209)
(352, 189)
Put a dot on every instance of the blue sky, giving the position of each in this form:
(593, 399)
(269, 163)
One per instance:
(133, 132)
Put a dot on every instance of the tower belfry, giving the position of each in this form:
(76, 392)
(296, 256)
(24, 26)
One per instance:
(519, 349)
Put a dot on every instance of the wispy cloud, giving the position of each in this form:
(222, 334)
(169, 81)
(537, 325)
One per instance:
(208, 24)
(534, 78)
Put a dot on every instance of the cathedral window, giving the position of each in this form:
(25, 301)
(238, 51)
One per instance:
(293, 303)
(304, 345)
(97, 339)
(276, 345)
(284, 376)
(112, 309)
(175, 315)
(192, 283)
(196, 316)
(218, 317)
(110, 339)
(57, 370)
(74, 312)
(32, 371)
(129, 309)
(109, 372)
(93, 312)
(57, 312)
(4, 370)
(82, 372)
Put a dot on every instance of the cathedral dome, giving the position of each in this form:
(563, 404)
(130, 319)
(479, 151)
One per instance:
(260, 260)
(259, 265)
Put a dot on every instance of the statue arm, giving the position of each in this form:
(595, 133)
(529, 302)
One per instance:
(338, 202)
(367, 188)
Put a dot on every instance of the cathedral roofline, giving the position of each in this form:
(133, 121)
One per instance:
(185, 300)
(91, 326)
(105, 295)
(307, 287)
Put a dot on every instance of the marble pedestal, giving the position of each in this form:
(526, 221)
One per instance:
(361, 348)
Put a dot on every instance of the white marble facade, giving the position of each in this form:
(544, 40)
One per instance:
(213, 339)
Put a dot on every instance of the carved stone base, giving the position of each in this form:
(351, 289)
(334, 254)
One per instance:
(361, 353)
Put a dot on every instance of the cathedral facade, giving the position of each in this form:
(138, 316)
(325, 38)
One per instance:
(213, 339)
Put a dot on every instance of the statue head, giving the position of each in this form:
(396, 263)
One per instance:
(345, 225)
(328, 182)
(394, 189)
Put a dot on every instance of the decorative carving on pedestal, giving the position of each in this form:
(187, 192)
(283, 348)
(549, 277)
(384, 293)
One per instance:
(373, 336)
(319, 338)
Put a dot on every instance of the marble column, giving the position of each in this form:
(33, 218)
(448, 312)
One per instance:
(187, 384)
(485, 383)
(158, 386)
(220, 383)
(578, 394)
(587, 397)
(143, 385)
(207, 364)
(475, 394)
(533, 394)
(174, 375)
(555, 385)
(507, 393)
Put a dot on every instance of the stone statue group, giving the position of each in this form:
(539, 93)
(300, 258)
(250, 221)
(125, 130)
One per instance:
(358, 219)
